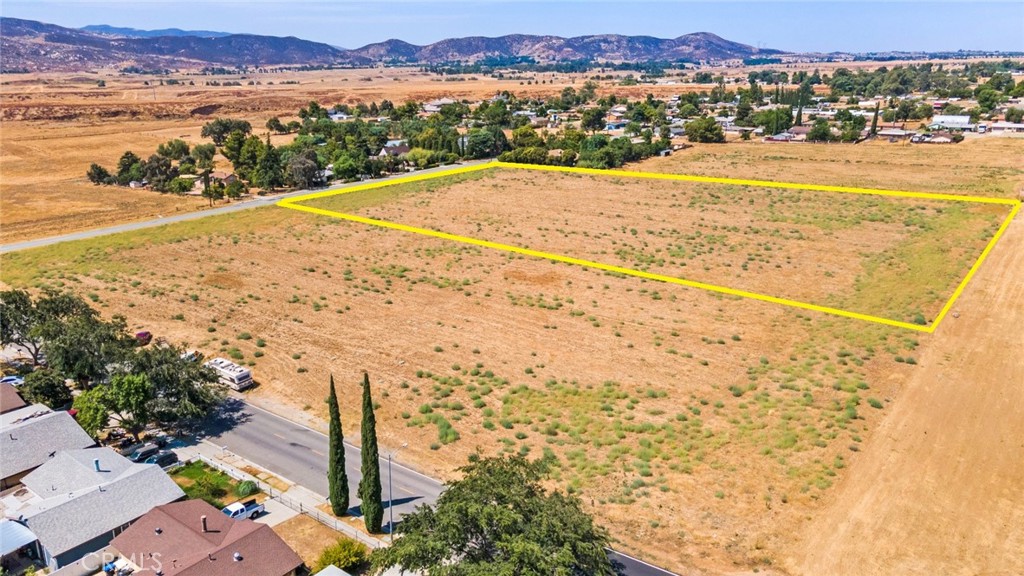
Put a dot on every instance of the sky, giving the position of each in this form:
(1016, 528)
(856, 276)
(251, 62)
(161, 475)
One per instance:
(800, 26)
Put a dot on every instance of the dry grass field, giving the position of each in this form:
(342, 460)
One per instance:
(708, 432)
(711, 434)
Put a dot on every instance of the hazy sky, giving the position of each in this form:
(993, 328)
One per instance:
(799, 26)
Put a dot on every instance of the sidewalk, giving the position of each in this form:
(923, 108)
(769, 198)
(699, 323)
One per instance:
(295, 497)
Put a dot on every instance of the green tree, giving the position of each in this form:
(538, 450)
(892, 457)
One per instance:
(593, 120)
(93, 415)
(1015, 115)
(775, 120)
(219, 129)
(236, 189)
(84, 347)
(704, 129)
(479, 144)
(98, 174)
(820, 131)
(126, 400)
(526, 137)
(184, 391)
(46, 387)
(369, 484)
(129, 168)
(173, 149)
(213, 192)
(499, 519)
(346, 554)
(28, 323)
(303, 171)
(874, 119)
(275, 125)
(268, 173)
(180, 185)
(159, 172)
(337, 478)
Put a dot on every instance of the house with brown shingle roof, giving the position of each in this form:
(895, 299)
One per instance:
(192, 538)
(10, 399)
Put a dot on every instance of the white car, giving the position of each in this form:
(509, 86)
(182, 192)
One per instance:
(12, 380)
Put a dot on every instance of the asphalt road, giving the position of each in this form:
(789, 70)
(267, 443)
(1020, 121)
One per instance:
(299, 454)
(233, 207)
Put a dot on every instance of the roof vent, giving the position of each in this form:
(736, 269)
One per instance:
(237, 557)
(159, 531)
(96, 464)
(203, 520)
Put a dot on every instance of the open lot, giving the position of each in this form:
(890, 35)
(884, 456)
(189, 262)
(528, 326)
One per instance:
(710, 434)
(704, 430)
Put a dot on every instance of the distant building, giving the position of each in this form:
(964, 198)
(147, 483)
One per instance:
(952, 122)
(1007, 127)
(393, 151)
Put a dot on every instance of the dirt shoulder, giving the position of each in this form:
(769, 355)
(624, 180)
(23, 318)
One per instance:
(940, 487)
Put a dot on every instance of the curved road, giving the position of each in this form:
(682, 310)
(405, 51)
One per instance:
(234, 207)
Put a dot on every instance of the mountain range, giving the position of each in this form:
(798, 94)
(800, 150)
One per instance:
(114, 31)
(37, 46)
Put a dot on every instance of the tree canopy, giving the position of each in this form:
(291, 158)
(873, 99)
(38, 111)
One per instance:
(498, 519)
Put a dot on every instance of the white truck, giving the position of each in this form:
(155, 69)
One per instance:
(242, 510)
(234, 376)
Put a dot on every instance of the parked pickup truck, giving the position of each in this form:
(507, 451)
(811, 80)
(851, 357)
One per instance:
(242, 510)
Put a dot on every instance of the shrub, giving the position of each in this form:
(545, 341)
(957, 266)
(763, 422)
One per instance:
(246, 488)
(345, 554)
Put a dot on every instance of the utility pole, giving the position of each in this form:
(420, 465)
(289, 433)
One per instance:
(391, 507)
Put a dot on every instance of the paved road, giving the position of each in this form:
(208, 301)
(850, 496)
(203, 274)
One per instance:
(299, 454)
(234, 207)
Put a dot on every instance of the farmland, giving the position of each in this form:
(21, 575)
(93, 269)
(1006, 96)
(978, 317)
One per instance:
(702, 429)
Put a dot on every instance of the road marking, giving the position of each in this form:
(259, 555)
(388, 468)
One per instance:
(279, 436)
(403, 489)
(317, 452)
(294, 203)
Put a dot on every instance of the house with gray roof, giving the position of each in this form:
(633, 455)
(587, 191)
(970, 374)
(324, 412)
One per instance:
(32, 435)
(79, 500)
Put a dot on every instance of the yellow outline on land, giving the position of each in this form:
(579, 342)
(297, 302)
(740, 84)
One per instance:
(293, 203)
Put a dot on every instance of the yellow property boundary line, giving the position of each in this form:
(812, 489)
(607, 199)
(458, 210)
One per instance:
(294, 203)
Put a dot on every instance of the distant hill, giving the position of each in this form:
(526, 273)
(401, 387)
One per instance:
(37, 46)
(609, 47)
(104, 30)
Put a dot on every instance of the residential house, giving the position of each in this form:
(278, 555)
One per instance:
(952, 122)
(1003, 126)
(799, 133)
(393, 151)
(895, 133)
(79, 500)
(339, 116)
(10, 399)
(192, 538)
(30, 436)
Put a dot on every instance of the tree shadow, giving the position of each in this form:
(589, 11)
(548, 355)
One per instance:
(231, 413)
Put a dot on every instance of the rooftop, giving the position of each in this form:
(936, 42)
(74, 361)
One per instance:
(33, 440)
(175, 534)
(10, 399)
(67, 502)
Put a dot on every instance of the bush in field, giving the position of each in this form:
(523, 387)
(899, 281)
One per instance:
(246, 488)
(345, 554)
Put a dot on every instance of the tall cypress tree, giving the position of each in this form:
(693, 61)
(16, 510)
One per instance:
(337, 479)
(874, 119)
(369, 485)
